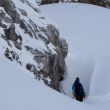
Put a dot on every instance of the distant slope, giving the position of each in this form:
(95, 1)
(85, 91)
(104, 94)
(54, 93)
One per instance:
(87, 31)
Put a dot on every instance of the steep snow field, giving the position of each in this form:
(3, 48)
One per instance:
(87, 31)
(19, 91)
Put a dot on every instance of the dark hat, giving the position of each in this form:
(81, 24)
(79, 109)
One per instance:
(77, 79)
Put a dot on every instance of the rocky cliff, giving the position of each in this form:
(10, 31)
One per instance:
(30, 40)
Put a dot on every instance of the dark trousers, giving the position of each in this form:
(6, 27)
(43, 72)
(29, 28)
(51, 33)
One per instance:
(79, 98)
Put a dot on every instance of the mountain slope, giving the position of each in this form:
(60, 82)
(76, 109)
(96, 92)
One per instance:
(29, 39)
(19, 91)
(86, 28)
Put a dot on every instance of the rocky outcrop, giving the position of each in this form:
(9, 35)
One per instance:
(49, 1)
(32, 42)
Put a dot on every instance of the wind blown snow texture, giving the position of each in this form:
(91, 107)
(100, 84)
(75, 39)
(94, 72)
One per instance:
(87, 31)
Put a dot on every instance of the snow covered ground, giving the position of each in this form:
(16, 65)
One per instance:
(19, 91)
(87, 31)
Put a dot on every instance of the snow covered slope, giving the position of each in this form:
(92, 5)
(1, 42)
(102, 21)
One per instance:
(32, 41)
(19, 91)
(87, 31)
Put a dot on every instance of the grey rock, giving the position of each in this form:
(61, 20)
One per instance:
(11, 55)
(27, 28)
(23, 12)
(8, 20)
(2, 25)
(2, 14)
(48, 66)
(10, 9)
(17, 45)
(11, 35)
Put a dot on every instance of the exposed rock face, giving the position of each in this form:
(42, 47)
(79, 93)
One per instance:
(27, 38)
(49, 1)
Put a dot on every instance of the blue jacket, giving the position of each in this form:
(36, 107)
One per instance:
(80, 87)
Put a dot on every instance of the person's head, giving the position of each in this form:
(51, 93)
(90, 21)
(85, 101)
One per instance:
(77, 79)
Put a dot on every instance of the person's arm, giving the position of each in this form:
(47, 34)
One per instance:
(73, 89)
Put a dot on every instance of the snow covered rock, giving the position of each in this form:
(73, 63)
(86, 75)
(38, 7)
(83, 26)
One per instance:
(29, 39)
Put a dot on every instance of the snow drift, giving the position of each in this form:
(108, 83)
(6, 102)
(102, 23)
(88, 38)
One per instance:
(19, 91)
(86, 28)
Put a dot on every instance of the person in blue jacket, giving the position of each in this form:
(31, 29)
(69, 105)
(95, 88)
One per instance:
(78, 90)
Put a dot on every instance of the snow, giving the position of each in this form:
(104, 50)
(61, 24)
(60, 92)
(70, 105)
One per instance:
(38, 19)
(19, 91)
(86, 29)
